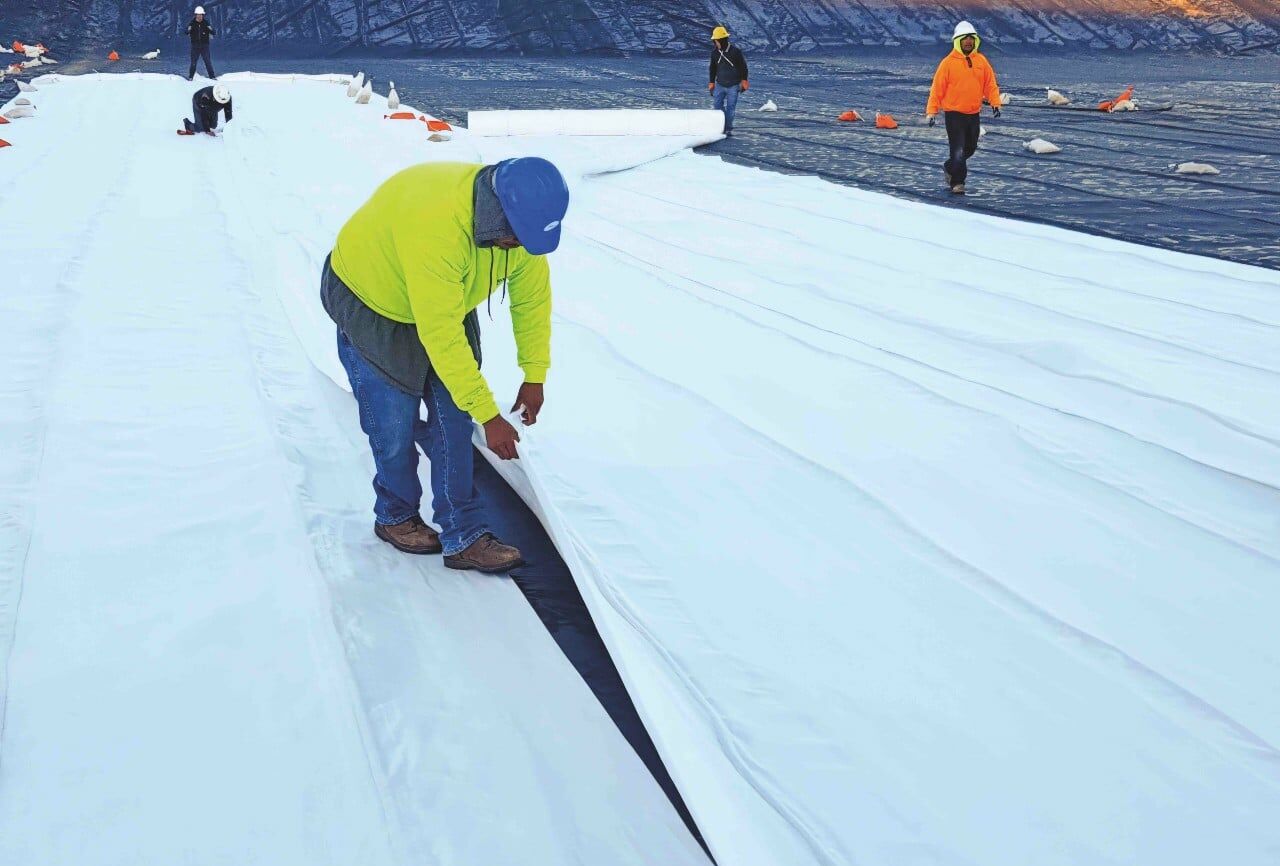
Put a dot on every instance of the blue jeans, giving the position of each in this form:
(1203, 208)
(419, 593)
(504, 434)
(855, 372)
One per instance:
(391, 420)
(726, 100)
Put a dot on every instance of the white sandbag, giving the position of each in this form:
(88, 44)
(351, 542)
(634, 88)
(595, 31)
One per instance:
(27, 88)
(769, 105)
(1194, 168)
(353, 89)
(1125, 105)
(22, 100)
(1056, 98)
(1006, 98)
(1040, 146)
(365, 94)
(20, 112)
(152, 55)
(615, 122)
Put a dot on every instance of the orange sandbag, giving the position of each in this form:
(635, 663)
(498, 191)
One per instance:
(850, 117)
(400, 115)
(1109, 104)
(4, 143)
(3, 120)
(113, 56)
(437, 125)
(19, 47)
(886, 121)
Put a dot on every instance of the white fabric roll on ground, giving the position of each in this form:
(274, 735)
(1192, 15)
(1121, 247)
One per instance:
(603, 122)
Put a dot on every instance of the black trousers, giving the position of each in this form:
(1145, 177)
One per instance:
(198, 52)
(962, 136)
(201, 121)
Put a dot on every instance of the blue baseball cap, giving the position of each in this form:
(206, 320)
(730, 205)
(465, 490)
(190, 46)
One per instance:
(535, 199)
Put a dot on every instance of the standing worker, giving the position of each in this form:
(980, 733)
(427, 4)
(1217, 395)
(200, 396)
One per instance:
(728, 76)
(963, 78)
(403, 281)
(200, 31)
(206, 103)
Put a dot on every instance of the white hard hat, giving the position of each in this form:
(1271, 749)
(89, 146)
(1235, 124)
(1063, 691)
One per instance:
(964, 28)
(199, 10)
(220, 94)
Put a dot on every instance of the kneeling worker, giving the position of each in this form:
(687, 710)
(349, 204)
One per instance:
(402, 284)
(206, 103)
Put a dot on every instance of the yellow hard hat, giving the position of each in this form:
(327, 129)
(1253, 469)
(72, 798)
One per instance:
(720, 33)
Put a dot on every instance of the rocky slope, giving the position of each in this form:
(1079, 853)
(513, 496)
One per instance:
(667, 26)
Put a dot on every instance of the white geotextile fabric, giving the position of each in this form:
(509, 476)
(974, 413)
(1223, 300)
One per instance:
(611, 122)
(921, 535)
(917, 535)
(205, 655)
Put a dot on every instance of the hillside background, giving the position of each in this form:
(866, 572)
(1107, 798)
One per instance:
(665, 27)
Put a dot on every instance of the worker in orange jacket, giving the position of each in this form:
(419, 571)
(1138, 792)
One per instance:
(963, 78)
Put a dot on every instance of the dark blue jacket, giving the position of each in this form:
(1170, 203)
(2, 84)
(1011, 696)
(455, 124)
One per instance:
(200, 31)
(204, 109)
(731, 73)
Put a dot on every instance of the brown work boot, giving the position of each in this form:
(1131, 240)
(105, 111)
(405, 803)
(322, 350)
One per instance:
(486, 554)
(412, 536)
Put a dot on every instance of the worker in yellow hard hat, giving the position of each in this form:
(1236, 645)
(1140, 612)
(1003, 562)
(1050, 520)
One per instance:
(728, 76)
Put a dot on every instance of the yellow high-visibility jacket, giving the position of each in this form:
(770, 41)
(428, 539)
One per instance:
(409, 254)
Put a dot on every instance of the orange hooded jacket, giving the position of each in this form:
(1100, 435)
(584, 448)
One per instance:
(961, 82)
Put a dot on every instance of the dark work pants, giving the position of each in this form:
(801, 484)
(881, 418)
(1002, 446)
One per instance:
(200, 122)
(962, 136)
(199, 52)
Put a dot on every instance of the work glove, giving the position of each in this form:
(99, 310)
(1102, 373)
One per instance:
(746, 85)
(933, 121)
(995, 111)
(711, 86)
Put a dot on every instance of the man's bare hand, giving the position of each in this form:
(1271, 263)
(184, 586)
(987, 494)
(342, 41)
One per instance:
(501, 437)
(531, 398)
